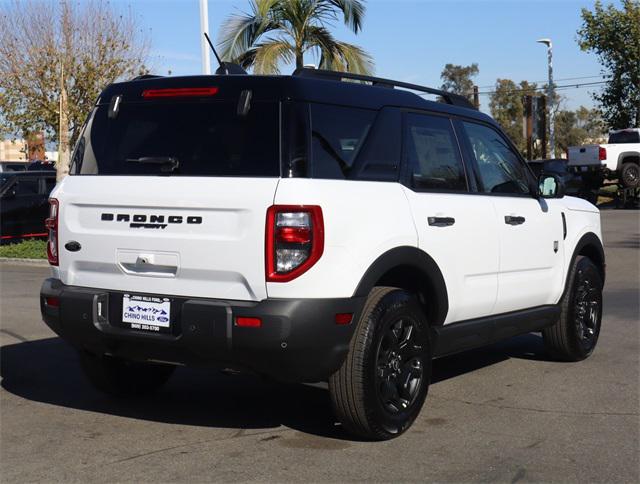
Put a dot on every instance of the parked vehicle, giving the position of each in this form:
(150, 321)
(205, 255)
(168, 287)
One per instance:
(24, 204)
(619, 159)
(40, 165)
(559, 166)
(308, 229)
(12, 166)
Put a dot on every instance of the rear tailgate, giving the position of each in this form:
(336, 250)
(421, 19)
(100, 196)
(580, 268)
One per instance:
(183, 236)
(588, 155)
(169, 189)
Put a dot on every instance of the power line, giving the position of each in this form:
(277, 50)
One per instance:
(601, 76)
(557, 88)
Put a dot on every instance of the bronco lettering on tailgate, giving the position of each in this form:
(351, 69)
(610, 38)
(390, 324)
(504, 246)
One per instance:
(142, 221)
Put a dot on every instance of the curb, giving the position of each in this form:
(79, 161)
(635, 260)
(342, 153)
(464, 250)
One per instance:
(25, 262)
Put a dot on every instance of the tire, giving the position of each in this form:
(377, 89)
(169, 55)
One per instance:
(630, 175)
(118, 377)
(390, 345)
(575, 334)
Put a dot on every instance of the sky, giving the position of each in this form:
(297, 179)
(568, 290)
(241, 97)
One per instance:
(412, 40)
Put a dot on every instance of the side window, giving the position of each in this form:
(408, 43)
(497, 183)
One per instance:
(501, 171)
(337, 134)
(379, 158)
(432, 154)
(25, 187)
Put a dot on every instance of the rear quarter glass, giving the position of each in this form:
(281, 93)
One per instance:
(207, 138)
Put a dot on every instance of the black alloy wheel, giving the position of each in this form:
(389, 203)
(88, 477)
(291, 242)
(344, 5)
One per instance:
(400, 366)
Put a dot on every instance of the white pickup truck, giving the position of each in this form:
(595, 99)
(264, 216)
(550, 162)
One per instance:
(618, 159)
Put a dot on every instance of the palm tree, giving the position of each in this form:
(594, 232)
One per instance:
(284, 30)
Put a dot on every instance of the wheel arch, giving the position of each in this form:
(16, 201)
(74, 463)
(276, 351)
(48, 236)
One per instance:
(412, 269)
(589, 246)
(628, 157)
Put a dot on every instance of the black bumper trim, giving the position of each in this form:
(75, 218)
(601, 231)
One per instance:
(298, 341)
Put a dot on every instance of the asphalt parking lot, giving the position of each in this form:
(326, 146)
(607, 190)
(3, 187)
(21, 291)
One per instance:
(504, 413)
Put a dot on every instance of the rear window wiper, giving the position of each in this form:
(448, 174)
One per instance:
(168, 163)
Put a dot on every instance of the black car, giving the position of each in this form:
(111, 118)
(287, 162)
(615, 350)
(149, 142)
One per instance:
(558, 166)
(12, 166)
(24, 203)
(40, 165)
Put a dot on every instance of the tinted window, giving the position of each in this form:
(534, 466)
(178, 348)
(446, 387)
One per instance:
(337, 134)
(555, 166)
(26, 187)
(206, 138)
(379, 158)
(624, 137)
(432, 154)
(501, 171)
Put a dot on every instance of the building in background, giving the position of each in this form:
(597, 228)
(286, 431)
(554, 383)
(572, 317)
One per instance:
(31, 149)
(51, 156)
(13, 150)
(35, 143)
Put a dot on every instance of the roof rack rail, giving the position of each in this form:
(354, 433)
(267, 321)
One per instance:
(448, 97)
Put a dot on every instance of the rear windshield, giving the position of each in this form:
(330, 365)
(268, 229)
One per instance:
(624, 137)
(181, 138)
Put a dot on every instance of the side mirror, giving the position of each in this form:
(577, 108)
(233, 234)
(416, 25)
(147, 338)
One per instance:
(550, 185)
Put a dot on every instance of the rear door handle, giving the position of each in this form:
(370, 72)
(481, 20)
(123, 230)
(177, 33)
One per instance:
(441, 221)
(513, 220)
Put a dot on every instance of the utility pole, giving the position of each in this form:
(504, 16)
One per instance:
(543, 125)
(550, 95)
(528, 110)
(204, 29)
(476, 97)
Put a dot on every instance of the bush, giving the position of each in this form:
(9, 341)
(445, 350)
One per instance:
(28, 249)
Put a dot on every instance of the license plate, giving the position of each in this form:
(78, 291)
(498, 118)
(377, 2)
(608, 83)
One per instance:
(146, 313)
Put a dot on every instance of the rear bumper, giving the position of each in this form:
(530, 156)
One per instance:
(298, 340)
(586, 169)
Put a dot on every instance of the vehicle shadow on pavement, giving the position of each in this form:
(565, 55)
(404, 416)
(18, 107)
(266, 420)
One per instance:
(48, 371)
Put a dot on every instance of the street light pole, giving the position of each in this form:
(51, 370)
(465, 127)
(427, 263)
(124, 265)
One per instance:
(550, 95)
(204, 29)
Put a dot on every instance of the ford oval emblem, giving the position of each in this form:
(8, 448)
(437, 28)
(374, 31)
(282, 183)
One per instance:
(72, 246)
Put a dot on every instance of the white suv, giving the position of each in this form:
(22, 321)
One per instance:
(309, 229)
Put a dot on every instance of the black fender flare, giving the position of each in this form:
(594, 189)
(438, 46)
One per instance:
(417, 259)
(587, 240)
(627, 154)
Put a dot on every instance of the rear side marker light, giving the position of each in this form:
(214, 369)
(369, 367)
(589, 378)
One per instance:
(294, 240)
(248, 322)
(180, 92)
(52, 302)
(51, 224)
(344, 318)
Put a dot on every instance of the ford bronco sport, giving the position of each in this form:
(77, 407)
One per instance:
(310, 228)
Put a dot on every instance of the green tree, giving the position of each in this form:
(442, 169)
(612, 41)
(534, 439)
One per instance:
(277, 31)
(592, 123)
(614, 35)
(62, 54)
(458, 79)
(507, 108)
(578, 127)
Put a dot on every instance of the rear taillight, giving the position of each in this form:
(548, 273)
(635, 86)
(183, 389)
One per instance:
(602, 153)
(52, 227)
(294, 240)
